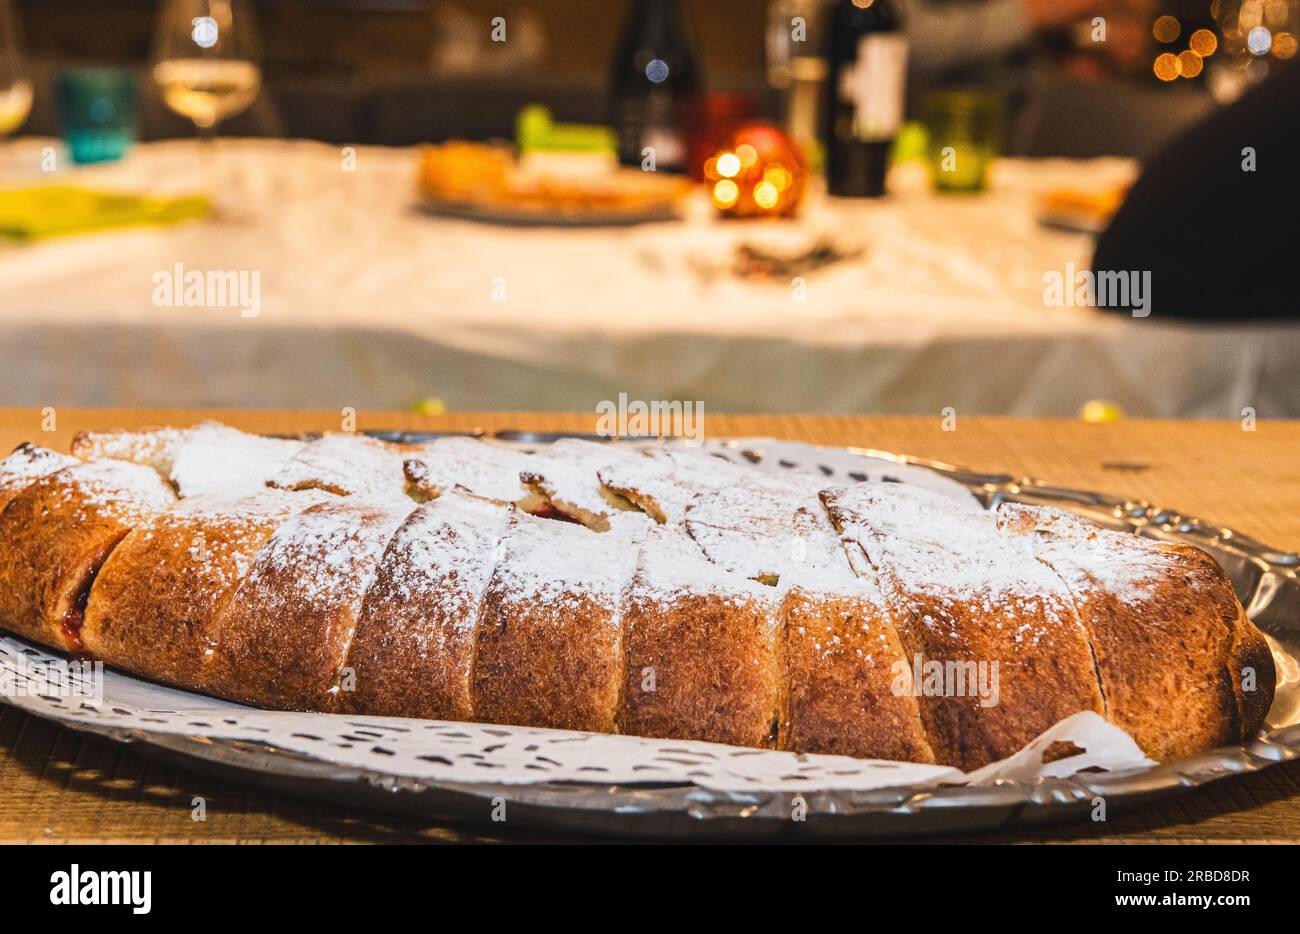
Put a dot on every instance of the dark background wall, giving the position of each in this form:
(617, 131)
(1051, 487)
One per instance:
(375, 70)
(379, 71)
(395, 37)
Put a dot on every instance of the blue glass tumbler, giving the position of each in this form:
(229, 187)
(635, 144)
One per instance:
(97, 111)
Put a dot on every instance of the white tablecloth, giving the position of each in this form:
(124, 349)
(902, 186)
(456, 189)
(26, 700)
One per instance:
(367, 302)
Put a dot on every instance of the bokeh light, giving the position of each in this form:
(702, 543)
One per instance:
(1166, 29)
(726, 193)
(1100, 411)
(1203, 42)
(728, 165)
(766, 196)
(657, 70)
(1259, 40)
(778, 176)
(1284, 45)
(1250, 15)
(1189, 64)
(1166, 66)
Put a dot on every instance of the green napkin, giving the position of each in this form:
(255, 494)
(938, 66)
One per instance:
(60, 210)
(535, 130)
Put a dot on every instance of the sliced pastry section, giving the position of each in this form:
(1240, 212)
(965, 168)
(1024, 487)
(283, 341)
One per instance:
(414, 646)
(344, 464)
(26, 464)
(848, 679)
(549, 649)
(213, 458)
(702, 648)
(566, 473)
(999, 652)
(1162, 620)
(765, 529)
(663, 482)
(151, 447)
(152, 608)
(58, 531)
(281, 635)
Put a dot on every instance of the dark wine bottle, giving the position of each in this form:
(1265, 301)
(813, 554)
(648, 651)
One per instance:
(654, 72)
(867, 59)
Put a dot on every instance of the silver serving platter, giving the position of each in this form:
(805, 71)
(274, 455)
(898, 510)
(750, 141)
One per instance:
(1265, 580)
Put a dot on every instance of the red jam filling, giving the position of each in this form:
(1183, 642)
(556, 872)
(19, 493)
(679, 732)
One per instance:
(548, 511)
(75, 617)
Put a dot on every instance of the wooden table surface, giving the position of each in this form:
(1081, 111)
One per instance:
(56, 786)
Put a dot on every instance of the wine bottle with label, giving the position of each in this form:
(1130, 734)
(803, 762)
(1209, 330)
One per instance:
(654, 72)
(867, 58)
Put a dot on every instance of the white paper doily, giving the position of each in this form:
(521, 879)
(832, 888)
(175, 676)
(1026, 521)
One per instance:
(439, 751)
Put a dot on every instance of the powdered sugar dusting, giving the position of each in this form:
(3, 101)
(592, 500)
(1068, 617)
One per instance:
(671, 565)
(332, 549)
(213, 458)
(567, 472)
(223, 532)
(28, 463)
(560, 564)
(1087, 556)
(485, 469)
(664, 482)
(445, 551)
(153, 447)
(764, 533)
(126, 489)
(346, 464)
(920, 544)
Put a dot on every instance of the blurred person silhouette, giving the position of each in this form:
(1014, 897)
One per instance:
(1039, 56)
(1212, 216)
(962, 37)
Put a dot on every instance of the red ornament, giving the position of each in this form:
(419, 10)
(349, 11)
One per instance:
(760, 173)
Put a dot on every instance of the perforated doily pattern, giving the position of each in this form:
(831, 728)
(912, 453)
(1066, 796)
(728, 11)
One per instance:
(433, 750)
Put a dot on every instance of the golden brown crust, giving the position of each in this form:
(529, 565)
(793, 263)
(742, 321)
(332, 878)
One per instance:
(701, 667)
(547, 665)
(1243, 692)
(151, 609)
(841, 658)
(415, 640)
(1162, 620)
(280, 637)
(1164, 659)
(549, 650)
(702, 649)
(1010, 626)
(1253, 675)
(1040, 680)
(57, 533)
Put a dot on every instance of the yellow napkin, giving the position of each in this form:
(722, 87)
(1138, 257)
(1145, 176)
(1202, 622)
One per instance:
(60, 210)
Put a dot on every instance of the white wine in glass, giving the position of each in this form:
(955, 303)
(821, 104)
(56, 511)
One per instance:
(205, 59)
(208, 91)
(15, 105)
(15, 88)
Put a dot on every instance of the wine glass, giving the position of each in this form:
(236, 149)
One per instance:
(205, 59)
(15, 85)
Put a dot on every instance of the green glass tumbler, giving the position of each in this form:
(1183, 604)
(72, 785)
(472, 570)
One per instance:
(964, 126)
